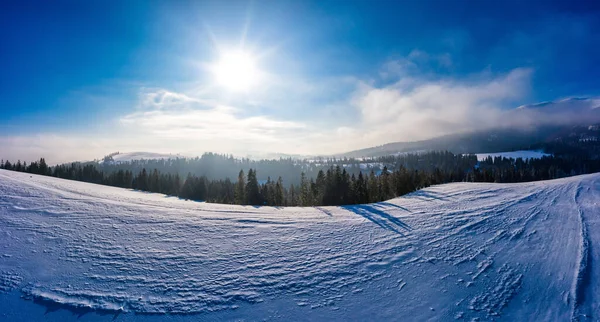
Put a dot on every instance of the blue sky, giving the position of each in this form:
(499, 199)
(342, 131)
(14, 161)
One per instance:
(80, 79)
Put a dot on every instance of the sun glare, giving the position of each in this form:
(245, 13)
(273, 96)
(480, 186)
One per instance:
(236, 71)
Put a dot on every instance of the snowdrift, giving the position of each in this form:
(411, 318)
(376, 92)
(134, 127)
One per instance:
(77, 251)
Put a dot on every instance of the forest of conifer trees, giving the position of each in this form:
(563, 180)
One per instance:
(321, 183)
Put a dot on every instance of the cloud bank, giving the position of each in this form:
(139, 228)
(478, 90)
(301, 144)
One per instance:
(414, 108)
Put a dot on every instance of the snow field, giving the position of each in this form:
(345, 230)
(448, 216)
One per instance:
(458, 251)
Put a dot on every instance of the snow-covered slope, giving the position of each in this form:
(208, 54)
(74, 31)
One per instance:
(524, 154)
(75, 251)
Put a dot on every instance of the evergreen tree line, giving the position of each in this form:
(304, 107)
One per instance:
(335, 185)
(500, 169)
(216, 166)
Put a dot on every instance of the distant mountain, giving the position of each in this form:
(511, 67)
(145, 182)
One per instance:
(550, 138)
(257, 155)
(569, 122)
(473, 142)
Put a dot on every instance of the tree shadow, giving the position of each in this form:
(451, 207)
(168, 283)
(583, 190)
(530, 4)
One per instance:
(325, 211)
(380, 218)
(428, 195)
(142, 191)
(384, 204)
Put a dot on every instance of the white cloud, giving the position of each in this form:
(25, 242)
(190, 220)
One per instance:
(161, 98)
(60, 148)
(413, 108)
(209, 126)
(419, 56)
(416, 63)
(219, 123)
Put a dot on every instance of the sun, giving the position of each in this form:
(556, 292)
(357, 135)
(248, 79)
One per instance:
(236, 71)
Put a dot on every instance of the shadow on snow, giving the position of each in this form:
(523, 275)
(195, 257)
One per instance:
(380, 217)
(325, 211)
(52, 306)
(427, 195)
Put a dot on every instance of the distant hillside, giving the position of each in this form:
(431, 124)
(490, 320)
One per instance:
(131, 156)
(560, 126)
(552, 139)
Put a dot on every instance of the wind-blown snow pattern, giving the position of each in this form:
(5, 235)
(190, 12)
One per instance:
(466, 251)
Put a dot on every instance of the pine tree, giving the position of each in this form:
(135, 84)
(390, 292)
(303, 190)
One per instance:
(279, 193)
(43, 167)
(228, 195)
(352, 196)
(128, 179)
(154, 182)
(321, 188)
(386, 189)
(345, 188)
(373, 188)
(269, 192)
(252, 189)
(305, 199)
(187, 190)
(142, 180)
(176, 185)
(292, 196)
(313, 193)
(362, 195)
(240, 189)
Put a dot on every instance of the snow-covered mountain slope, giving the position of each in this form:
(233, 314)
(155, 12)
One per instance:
(546, 123)
(524, 154)
(75, 251)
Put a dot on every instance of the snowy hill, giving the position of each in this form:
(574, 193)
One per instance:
(72, 251)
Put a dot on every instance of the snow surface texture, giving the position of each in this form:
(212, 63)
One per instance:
(524, 154)
(72, 251)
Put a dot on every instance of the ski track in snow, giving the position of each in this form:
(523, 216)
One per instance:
(582, 274)
(457, 251)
